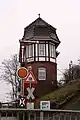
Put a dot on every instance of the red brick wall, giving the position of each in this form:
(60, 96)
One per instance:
(48, 85)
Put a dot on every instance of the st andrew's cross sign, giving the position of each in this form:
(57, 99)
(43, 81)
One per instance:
(30, 86)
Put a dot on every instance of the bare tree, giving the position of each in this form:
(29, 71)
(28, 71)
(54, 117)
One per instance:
(71, 74)
(9, 73)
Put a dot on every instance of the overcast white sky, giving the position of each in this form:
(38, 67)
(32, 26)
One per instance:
(62, 14)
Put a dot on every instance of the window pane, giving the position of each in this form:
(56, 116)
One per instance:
(30, 50)
(36, 50)
(52, 48)
(42, 73)
(26, 51)
(41, 49)
(41, 58)
(46, 49)
(52, 51)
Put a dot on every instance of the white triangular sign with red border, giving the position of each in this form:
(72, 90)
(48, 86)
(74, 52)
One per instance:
(30, 78)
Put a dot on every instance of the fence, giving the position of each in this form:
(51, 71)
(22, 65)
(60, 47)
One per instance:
(37, 114)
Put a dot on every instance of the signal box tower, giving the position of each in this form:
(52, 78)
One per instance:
(38, 54)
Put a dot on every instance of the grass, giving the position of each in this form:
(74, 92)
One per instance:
(63, 94)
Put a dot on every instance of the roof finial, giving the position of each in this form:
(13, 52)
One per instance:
(39, 15)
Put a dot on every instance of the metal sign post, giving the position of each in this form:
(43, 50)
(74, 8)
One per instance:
(29, 83)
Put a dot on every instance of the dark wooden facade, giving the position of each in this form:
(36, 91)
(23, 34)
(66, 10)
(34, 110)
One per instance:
(38, 52)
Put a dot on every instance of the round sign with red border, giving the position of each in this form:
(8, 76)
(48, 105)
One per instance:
(22, 72)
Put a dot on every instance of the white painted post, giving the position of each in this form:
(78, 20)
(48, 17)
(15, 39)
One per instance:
(6, 115)
(12, 116)
(76, 117)
(41, 116)
(59, 116)
(23, 115)
(35, 116)
(65, 116)
(53, 117)
(70, 116)
(17, 115)
(0, 115)
(29, 115)
(48, 116)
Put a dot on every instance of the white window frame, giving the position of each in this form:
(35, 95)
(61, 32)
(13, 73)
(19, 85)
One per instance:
(41, 73)
(41, 49)
(52, 51)
(29, 51)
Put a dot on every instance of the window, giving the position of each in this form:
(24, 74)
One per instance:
(52, 50)
(29, 51)
(41, 49)
(42, 73)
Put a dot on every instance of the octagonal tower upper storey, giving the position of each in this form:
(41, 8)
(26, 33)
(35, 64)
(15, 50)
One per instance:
(39, 42)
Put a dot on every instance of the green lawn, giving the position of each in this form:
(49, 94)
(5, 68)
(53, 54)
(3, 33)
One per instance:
(63, 94)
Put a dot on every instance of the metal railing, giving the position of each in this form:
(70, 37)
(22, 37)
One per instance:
(37, 114)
